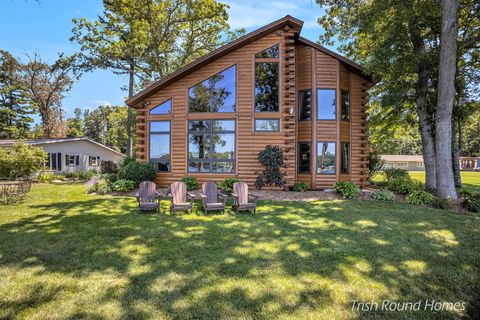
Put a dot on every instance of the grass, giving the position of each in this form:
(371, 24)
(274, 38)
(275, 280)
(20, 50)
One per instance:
(65, 254)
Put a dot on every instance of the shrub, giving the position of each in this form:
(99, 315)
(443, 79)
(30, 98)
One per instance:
(227, 185)
(110, 177)
(108, 166)
(191, 183)
(347, 189)
(272, 159)
(470, 200)
(100, 187)
(419, 198)
(395, 173)
(81, 175)
(403, 185)
(301, 186)
(21, 160)
(46, 177)
(137, 172)
(123, 185)
(383, 194)
(375, 164)
(127, 160)
(441, 203)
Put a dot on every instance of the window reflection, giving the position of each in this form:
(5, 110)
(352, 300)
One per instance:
(326, 157)
(326, 102)
(266, 87)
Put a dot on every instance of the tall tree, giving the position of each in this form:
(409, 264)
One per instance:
(75, 125)
(15, 106)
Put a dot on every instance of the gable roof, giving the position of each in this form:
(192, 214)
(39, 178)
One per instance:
(231, 46)
(11, 142)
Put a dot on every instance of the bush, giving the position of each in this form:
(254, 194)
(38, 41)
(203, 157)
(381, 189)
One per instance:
(21, 160)
(101, 187)
(110, 177)
(403, 185)
(127, 160)
(191, 183)
(301, 186)
(419, 198)
(375, 164)
(470, 200)
(441, 203)
(137, 172)
(272, 159)
(347, 189)
(123, 185)
(46, 177)
(227, 185)
(383, 194)
(81, 175)
(395, 173)
(108, 166)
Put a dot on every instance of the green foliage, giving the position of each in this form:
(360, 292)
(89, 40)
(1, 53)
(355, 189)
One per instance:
(108, 166)
(123, 185)
(470, 200)
(346, 189)
(138, 172)
(81, 175)
(21, 160)
(110, 177)
(375, 164)
(75, 125)
(272, 159)
(419, 198)
(403, 185)
(384, 195)
(227, 185)
(191, 183)
(441, 203)
(46, 177)
(100, 187)
(126, 160)
(394, 173)
(301, 186)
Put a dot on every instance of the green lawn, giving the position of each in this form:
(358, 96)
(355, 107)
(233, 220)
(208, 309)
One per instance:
(67, 255)
(470, 180)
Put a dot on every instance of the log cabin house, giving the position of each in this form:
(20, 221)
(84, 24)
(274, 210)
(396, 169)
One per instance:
(211, 118)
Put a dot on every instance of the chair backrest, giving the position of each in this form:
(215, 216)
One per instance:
(147, 191)
(179, 192)
(211, 191)
(241, 190)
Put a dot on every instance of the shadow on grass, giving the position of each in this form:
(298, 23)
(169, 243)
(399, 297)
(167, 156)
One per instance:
(289, 258)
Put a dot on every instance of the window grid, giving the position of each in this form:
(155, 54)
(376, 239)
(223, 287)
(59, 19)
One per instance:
(161, 164)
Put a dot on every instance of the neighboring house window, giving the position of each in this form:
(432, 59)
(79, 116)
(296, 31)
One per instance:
(272, 52)
(54, 161)
(420, 164)
(162, 108)
(72, 160)
(345, 113)
(402, 164)
(267, 125)
(326, 102)
(305, 104)
(216, 94)
(345, 158)
(388, 165)
(93, 161)
(326, 157)
(211, 146)
(159, 145)
(304, 158)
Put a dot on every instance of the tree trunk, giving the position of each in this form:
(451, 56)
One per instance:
(456, 154)
(130, 116)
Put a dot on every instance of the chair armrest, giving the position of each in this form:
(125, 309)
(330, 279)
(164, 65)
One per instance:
(234, 195)
(255, 198)
(224, 196)
(191, 195)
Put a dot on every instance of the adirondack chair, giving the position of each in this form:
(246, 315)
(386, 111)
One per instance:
(147, 196)
(180, 199)
(241, 198)
(210, 197)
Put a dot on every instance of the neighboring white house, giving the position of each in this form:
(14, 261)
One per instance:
(72, 154)
(415, 162)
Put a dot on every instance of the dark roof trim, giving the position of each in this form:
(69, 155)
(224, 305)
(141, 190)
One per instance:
(215, 54)
(355, 67)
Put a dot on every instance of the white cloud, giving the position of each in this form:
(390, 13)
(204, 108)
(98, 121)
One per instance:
(97, 103)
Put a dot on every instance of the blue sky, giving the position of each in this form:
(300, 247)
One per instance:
(45, 27)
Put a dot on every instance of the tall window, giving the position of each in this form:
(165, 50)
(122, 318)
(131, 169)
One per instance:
(326, 157)
(345, 94)
(162, 108)
(211, 146)
(266, 80)
(305, 104)
(326, 102)
(159, 146)
(345, 158)
(304, 158)
(216, 94)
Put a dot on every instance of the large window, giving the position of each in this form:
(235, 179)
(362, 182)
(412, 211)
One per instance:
(267, 125)
(305, 104)
(304, 158)
(216, 94)
(326, 157)
(272, 52)
(159, 146)
(72, 160)
(211, 146)
(345, 94)
(162, 108)
(345, 158)
(326, 102)
(266, 87)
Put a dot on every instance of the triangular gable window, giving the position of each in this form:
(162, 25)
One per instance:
(271, 52)
(163, 108)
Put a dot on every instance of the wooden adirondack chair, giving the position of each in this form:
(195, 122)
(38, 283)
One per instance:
(241, 198)
(147, 196)
(180, 199)
(210, 197)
